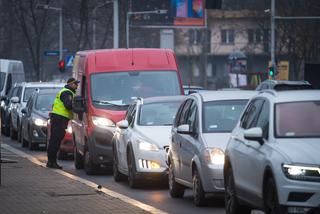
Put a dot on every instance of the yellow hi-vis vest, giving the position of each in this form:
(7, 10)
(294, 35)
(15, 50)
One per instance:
(58, 106)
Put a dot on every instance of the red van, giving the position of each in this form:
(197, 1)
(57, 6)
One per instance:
(110, 79)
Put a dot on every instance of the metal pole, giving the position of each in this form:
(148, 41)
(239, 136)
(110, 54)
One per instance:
(273, 37)
(127, 29)
(60, 35)
(94, 28)
(115, 24)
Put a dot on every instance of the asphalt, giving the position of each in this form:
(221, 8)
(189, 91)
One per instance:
(28, 187)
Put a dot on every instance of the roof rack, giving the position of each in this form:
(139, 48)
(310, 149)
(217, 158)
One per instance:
(138, 99)
(270, 91)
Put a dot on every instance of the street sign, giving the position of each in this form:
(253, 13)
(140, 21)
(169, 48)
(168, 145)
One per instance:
(69, 60)
(54, 52)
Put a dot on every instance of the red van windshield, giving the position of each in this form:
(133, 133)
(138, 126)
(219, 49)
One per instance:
(119, 88)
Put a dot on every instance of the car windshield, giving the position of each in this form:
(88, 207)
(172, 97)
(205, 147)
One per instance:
(29, 90)
(297, 119)
(158, 114)
(2, 79)
(221, 116)
(44, 102)
(114, 90)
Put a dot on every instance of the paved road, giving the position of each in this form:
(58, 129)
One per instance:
(153, 195)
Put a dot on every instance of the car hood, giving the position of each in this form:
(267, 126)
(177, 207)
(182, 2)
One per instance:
(304, 150)
(44, 114)
(216, 140)
(159, 135)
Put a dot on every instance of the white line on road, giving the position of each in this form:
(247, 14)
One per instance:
(109, 192)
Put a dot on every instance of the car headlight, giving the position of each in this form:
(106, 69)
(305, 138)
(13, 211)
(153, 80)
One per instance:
(147, 146)
(40, 122)
(306, 173)
(214, 156)
(69, 129)
(102, 122)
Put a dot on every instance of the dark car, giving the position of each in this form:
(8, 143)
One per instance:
(283, 85)
(35, 117)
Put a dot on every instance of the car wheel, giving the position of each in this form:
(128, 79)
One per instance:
(78, 159)
(198, 192)
(270, 199)
(89, 167)
(31, 145)
(117, 176)
(7, 129)
(176, 190)
(13, 133)
(133, 182)
(232, 205)
(19, 138)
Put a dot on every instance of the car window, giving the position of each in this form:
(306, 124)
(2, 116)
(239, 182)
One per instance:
(192, 115)
(184, 112)
(19, 93)
(176, 120)
(131, 114)
(250, 116)
(44, 102)
(263, 119)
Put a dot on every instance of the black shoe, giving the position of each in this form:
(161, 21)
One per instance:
(53, 165)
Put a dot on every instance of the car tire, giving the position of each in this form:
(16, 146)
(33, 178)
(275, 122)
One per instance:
(117, 176)
(32, 146)
(89, 167)
(19, 135)
(199, 198)
(78, 159)
(232, 205)
(270, 198)
(7, 129)
(133, 181)
(176, 190)
(13, 133)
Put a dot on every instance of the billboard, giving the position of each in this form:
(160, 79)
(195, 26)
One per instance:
(179, 13)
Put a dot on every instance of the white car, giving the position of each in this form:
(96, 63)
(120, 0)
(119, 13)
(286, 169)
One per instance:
(272, 160)
(199, 137)
(141, 140)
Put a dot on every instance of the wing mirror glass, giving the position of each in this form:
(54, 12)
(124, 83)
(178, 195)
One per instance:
(184, 129)
(254, 134)
(123, 124)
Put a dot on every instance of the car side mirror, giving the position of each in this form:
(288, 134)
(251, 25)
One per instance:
(184, 129)
(78, 105)
(14, 99)
(254, 134)
(123, 124)
(24, 111)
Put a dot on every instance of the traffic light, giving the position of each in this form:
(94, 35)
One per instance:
(62, 66)
(271, 71)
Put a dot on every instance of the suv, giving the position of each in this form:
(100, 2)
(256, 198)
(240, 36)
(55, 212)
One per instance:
(272, 159)
(281, 85)
(199, 137)
(25, 90)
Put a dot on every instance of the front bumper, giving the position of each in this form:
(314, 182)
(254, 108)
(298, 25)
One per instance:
(39, 134)
(212, 178)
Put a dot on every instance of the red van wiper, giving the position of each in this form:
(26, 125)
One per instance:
(104, 102)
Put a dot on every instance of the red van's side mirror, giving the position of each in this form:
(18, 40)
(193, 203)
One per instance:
(78, 105)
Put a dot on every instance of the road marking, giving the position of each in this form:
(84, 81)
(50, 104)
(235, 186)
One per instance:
(109, 192)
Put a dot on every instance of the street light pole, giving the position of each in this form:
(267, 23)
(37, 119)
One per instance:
(115, 24)
(139, 12)
(273, 63)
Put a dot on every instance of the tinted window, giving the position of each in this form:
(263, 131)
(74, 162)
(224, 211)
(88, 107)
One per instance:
(44, 102)
(297, 119)
(29, 90)
(2, 80)
(263, 120)
(184, 113)
(118, 88)
(250, 116)
(158, 114)
(284, 87)
(221, 116)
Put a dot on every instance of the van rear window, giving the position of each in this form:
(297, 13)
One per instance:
(119, 88)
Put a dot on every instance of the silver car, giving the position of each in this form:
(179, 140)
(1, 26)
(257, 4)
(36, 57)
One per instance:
(272, 159)
(141, 140)
(199, 137)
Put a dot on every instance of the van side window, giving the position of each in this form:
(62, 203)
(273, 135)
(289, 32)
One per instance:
(9, 83)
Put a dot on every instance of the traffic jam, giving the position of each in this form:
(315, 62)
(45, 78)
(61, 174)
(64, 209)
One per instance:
(137, 130)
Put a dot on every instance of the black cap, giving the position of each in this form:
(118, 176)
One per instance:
(72, 80)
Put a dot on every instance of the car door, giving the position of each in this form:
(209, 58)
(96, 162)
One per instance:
(28, 119)
(177, 139)
(15, 109)
(189, 143)
(242, 170)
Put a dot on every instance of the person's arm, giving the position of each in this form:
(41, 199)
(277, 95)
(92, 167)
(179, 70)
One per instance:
(66, 98)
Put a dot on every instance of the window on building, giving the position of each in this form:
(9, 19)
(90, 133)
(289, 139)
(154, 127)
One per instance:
(227, 36)
(195, 37)
(256, 35)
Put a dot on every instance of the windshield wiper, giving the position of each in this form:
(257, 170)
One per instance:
(104, 102)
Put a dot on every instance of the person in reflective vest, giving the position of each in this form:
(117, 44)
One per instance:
(59, 118)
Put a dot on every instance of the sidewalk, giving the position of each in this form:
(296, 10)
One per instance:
(28, 188)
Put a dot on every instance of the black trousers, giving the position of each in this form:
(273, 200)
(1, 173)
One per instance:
(58, 130)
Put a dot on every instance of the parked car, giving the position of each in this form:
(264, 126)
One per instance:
(109, 80)
(200, 135)
(7, 105)
(35, 117)
(66, 145)
(272, 160)
(280, 85)
(25, 90)
(142, 139)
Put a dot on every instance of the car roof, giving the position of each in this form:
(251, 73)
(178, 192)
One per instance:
(48, 91)
(291, 96)
(161, 99)
(225, 95)
(42, 84)
(287, 82)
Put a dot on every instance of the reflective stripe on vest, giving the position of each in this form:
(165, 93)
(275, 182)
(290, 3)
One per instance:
(58, 106)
